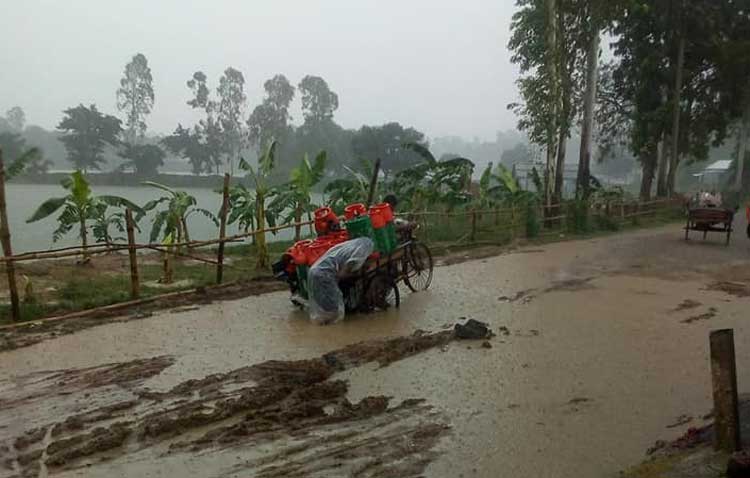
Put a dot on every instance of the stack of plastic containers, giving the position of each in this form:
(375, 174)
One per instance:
(358, 223)
(384, 233)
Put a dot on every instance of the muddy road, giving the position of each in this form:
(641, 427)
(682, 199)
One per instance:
(601, 349)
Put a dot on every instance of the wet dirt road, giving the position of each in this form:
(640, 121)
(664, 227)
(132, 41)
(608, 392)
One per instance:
(604, 346)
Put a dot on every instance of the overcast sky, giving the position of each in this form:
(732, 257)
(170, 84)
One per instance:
(441, 66)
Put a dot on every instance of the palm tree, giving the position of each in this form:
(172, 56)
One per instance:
(296, 196)
(78, 206)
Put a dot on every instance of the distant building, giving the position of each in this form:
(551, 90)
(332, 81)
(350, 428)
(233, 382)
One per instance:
(711, 177)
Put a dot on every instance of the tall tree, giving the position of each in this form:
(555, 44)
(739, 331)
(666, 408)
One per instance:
(86, 132)
(135, 97)
(387, 143)
(20, 158)
(593, 30)
(547, 45)
(230, 111)
(145, 159)
(205, 145)
(16, 117)
(270, 119)
(318, 101)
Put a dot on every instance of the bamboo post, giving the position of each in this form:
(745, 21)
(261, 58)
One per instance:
(135, 285)
(724, 381)
(10, 268)
(473, 235)
(373, 183)
(222, 230)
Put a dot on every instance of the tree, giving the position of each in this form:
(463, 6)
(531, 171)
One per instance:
(171, 223)
(546, 44)
(188, 144)
(270, 119)
(230, 110)
(318, 101)
(204, 145)
(387, 143)
(673, 88)
(78, 207)
(135, 97)
(16, 118)
(593, 29)
(20, 158)
(86, 132)
(145, 159)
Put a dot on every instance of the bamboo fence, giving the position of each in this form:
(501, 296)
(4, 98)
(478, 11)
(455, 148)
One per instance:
(486, 225)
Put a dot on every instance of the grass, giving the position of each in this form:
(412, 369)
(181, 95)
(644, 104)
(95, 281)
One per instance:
(80, 289)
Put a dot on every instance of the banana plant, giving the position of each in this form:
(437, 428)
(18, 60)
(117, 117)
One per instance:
(104, 220)
(295, 197)
(241, 207)
(344, 191)
(263, 192)
(78, 207)
(172, 221)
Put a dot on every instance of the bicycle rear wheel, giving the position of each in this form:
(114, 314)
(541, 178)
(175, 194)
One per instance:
(418, 267)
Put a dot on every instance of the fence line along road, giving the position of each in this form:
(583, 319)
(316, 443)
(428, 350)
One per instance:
(176, 249)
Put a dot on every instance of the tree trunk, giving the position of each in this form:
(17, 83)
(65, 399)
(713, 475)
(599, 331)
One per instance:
(676, 96)
(560, 167)
(648, 165)
(260, 237)
(552, 51)
(185, 230)
(84, 238)
(742, 145)
(583, 183)
(663, 165)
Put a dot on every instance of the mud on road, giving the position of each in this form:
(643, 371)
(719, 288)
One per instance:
(297, 411)
(601, 349)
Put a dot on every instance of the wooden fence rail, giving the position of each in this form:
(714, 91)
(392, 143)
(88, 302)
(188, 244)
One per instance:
(513, 221)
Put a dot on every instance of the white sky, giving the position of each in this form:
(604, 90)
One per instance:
(440, 66)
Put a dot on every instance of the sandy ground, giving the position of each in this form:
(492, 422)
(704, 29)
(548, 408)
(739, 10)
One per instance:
(601, 349)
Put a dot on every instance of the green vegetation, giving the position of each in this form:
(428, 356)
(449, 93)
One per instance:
(80, 206)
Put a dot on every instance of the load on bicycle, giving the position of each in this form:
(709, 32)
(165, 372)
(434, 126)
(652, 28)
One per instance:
(354, 264)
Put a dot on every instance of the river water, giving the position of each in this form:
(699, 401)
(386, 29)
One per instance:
(24, 199)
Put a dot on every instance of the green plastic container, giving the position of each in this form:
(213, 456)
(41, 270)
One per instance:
(392, 234)
(382, 241)
(302, 281)
(359, 227)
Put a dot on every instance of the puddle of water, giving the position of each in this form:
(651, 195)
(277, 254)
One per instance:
(516, 409)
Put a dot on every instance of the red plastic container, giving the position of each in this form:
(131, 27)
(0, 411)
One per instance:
(383, 213)
(354, 210)
(297, 251)
(318, 247)
(324, 218)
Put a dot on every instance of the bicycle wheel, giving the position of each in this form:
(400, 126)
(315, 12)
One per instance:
(382, 293)
(418, 265)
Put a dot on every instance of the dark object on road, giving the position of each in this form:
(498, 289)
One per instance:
(486, 344)
(709, 219)
(472, 330)
(739, 465)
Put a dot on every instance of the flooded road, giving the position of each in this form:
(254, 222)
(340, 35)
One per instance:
(601, 345)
